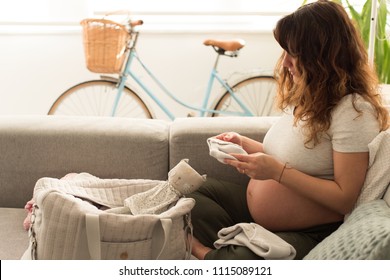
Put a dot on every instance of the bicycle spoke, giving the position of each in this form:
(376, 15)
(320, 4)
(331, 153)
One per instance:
(96, 98)
(257, 94)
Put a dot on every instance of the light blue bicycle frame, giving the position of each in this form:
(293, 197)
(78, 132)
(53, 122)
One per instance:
(213, 75)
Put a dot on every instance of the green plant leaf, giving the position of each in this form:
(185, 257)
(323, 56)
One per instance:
(382, 48)
(385, 63)
(382, 43)
(381, 18)
(366, 22)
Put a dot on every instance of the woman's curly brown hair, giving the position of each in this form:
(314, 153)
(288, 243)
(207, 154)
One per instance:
(332, 62)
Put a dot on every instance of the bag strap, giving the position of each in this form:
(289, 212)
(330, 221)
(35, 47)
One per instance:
(93, 236)
(160, 236)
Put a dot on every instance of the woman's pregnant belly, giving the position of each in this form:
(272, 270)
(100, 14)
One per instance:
(277, 208)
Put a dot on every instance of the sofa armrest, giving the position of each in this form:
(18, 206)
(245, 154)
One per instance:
(188, 140)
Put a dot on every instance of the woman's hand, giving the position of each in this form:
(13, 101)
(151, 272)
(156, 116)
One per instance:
(249, 145)
(257, 166)
(232, 137)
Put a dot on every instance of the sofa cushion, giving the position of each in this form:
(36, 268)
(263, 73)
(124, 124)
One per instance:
(378, 173)
(51, 146)
(188, 139)
(364, 235)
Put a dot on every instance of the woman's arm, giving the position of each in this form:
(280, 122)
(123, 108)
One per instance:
(339, 195)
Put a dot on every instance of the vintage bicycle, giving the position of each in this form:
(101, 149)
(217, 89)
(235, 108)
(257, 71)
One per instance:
(110, 48)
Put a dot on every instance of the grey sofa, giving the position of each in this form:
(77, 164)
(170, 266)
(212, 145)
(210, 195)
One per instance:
(32, 147)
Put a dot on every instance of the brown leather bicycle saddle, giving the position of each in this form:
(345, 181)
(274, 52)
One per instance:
(231, 45)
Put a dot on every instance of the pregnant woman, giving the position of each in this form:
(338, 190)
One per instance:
(308, 172)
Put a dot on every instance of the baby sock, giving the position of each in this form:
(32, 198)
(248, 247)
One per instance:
(221, 150)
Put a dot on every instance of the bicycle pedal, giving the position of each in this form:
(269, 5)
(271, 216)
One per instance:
(190, 115)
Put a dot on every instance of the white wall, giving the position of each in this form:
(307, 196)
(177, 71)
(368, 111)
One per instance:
(37, 67)
(42, 57)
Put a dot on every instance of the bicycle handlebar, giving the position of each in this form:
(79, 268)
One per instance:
(134, 23)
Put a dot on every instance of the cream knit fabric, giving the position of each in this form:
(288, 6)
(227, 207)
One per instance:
(258, 239)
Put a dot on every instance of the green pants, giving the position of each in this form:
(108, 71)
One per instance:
(222, 204)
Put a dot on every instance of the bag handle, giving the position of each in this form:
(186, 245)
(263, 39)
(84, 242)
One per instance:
(160, 236)
(93, 236)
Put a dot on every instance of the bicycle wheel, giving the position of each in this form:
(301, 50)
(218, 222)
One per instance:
(256, 93)
(96, 98)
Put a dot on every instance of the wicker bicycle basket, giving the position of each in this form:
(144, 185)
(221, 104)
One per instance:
(104, 45)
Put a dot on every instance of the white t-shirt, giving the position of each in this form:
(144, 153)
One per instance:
(348, 133)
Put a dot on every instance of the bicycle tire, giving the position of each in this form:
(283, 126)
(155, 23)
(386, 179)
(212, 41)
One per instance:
(257, 93)
(96, 98)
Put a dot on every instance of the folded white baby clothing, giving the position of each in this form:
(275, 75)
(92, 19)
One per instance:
(261, 241)
(221, 150)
